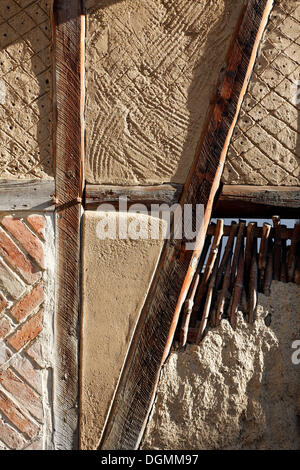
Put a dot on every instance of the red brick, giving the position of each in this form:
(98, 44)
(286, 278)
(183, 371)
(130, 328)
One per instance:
(36, 445)
(15, 415)
(29, 372)
(5, 327)
(10, 437)
(34, 351)
(10, 283)
(25, 237)
(26, 332)
(23, 394)
(37, 222)
(30, 302)
(17, 260)
(3, 303)
(5, 353)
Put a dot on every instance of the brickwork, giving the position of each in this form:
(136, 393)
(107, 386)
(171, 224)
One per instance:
(265, 144)
(22, 361)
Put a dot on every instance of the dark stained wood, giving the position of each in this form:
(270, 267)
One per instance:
(293, 252)
(277, 248)
(285, 233)
(257, 201)
(155, 331)
(147, 195)
(68, 144)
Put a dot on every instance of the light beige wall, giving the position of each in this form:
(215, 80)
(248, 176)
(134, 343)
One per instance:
(265, 148)
(151, 69)
(238, 389)
(116, 275)
(25, 89)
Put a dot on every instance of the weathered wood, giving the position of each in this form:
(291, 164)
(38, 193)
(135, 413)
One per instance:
(147, 195)
(238, 288)
(285, 233)
(227, 253)
(283, 271)
(28, 195)
(248, 252)
(188, 308)
(224, 293)
(263, 250)
(292, 252)
(257, 201)
(253, 284)
(269, 269)
(158, 321)
(68, 30)
(277, 248)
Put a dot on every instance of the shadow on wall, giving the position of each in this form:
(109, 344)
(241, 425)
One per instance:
(152, 68)
(25, 89)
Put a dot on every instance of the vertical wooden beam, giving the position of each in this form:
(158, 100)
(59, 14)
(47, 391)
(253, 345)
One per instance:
(68, 31)
(155, 332)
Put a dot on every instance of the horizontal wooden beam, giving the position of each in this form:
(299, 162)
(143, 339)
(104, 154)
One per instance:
(158, 194)
(27, 195)
(258, 201)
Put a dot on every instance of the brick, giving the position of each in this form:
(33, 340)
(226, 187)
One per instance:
(35, 353)
(37, 222)
(28, 304)
(15, 258)
(10, 437)
(26, 332)
(31, 374)
(5, 353)
(25, 237)
(23, 394)
(36, 445)
(9, 283)
(15, 415)
(3, 303)
(5, 327)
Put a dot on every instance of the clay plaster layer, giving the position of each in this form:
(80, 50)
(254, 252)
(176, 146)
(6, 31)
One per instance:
(152, 68)
(238, 389)
(265, 148)
(25, 95)
(115, 280)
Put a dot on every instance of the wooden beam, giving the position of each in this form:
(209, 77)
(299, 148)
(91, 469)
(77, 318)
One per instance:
(27, 195)
(68, 36)
(147, 195)
(156, 328)
(258, 201)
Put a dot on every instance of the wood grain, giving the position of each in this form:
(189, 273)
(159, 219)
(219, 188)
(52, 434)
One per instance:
(155, 332)
(28, 195)
(68, 57)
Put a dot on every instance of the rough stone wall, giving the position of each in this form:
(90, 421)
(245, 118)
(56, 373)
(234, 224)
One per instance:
(26, 316)
(151, 68)
(238, 389)
(265, 148)
(25, 89)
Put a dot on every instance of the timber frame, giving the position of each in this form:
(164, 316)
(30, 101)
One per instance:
(175, 275)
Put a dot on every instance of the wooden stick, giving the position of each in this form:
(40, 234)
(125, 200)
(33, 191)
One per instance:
(238, 288)
(238, 244)
(269, 269)
(286, 234)
(283, 269)
(297, 270)
(262, 258)
(277, 248)
(210, 264)
(292, 252)
(253, 283)
(189, 303)
(223, 294)
(208, 301)
(248, 253)
(227, 253)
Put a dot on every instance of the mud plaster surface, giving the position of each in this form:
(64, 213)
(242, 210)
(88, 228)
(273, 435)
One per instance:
(25, 94)
(115, 281)
(265, 148)
(152, 68)
(238, 389)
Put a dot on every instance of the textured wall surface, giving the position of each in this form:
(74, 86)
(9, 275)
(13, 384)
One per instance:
(116, 277)
(152, 68)
(25, 95)
(238, 389)
(266, 142)
(26, 315)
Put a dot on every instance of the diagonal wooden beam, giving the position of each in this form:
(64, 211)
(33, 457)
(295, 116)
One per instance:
(68, 36)
(154, 334)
